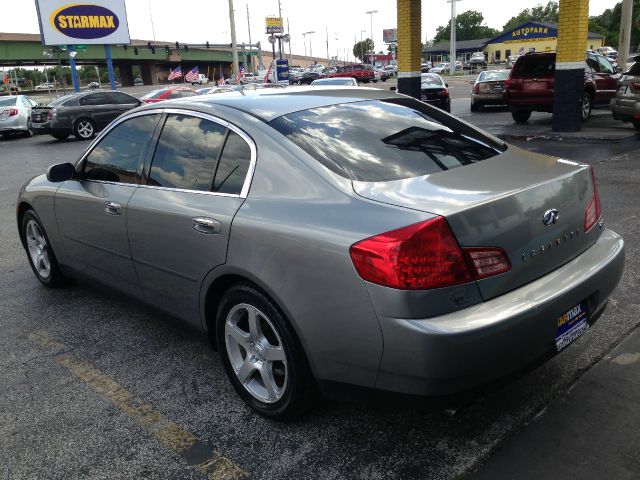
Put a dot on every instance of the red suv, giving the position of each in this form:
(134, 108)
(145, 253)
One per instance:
(361, 72)
(529, 87)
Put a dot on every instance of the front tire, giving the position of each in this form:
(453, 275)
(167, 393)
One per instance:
(84, 129)
(261, 355)
(39, 252)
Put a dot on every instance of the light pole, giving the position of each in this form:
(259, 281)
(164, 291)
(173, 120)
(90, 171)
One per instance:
(304, 40)
(452, 44)
(310, 51)
(373, 44)
(234, 44)
(361, 46)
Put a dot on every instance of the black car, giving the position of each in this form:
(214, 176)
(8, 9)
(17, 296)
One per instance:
(81, 114)
(434, 91)
(308, 77)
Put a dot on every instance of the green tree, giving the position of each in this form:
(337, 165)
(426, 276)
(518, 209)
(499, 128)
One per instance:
(608, 24)
(469, 26)
(540, 13)
(360, 49)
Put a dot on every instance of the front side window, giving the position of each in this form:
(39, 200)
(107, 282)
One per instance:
(605, 66)
(187, 153)
(375, 141)
(116, 157)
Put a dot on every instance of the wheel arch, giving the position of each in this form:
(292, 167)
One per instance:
(218, 281)
(21, 209)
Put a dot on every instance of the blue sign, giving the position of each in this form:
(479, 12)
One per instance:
(282, 71)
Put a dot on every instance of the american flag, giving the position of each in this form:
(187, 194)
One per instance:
(266, 77)
(241, 72)
(177, 73)
(221, 78)
(192, 76)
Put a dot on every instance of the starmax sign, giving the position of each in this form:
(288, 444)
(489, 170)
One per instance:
(97, 22)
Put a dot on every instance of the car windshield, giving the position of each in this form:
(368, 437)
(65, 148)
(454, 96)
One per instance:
(154, 94)
(431, 81)
(333, 81)
(381, 140)
(6, 102)
(535, 65)
(493, 76)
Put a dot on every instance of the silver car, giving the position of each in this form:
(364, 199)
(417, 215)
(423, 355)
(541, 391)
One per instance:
(488, 89)
(15, 115)
(332, 238)
(625, 105)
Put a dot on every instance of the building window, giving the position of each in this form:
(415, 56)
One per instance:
(498, 55)
(507, 54)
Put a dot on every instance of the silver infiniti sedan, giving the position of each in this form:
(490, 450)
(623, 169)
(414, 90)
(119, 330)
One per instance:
(332, 238)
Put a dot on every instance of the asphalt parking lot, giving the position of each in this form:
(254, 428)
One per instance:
(94, 385)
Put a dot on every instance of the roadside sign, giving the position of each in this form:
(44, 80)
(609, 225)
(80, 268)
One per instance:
(80, 48)
(390, 35)
(282, 71)
(274, 25)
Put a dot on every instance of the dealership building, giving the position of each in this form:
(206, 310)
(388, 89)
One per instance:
(528, 37)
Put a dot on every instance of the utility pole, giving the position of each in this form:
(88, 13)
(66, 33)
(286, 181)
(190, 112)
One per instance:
(249, 27)
(362, 46)
(304, 40)
(289, 33)
(234, 45)
(624, 44)
(452, 43)
(373, 44)
(280, 15)
(310, 51)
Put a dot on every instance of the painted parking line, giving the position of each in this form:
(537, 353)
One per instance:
(196, 453)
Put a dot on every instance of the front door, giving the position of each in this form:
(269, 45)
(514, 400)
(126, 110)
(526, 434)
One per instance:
(179, 222)
(92, 211)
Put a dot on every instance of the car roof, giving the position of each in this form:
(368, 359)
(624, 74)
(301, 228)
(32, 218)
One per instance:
(270, 103)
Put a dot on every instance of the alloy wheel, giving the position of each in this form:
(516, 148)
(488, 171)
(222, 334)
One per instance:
(586, 106)
(38, 249)
(85, 129)
(256, 353)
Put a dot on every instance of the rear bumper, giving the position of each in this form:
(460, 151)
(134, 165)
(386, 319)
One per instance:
(623, 109)
(47, 129)
(13, 124)
(465, 349)
(487, 99)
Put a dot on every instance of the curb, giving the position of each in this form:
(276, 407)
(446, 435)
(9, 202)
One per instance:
(565, 138)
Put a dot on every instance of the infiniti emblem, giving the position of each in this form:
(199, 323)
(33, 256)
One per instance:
(550, 217)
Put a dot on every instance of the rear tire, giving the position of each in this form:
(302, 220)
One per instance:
(587, 104)
(521, 116)
(84, 129)
(39, 251)
(261, 354)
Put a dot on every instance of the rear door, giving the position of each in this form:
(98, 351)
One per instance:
(606, 80)
(99, 107)
(122, 102)
(179, 221)
(92, 212)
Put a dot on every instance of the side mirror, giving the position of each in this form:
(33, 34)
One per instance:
(393, 89)
(61, 172)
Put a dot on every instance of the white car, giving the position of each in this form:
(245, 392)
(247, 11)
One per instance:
(45, 86)
(202, 80)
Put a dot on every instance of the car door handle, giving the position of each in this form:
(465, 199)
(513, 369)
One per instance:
(206, 225)
(112, 208)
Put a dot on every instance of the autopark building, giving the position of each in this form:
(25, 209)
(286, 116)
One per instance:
(528, 37)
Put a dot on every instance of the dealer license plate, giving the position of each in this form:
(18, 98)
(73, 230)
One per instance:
(571, 325)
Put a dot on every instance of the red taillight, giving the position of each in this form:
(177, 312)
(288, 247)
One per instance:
(476, 88)
(51, 113)
(507, 82)
(635, 85)
(13, 112)
(487, 262)
(420, 256)
(594, 209)
(445, 93)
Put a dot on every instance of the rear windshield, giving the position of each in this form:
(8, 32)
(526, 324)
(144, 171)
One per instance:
(5, 102)
(493, 76)
(431, 81)
(376, 140)
(535, 66)
(634, 69)
(61, 100)
(154, 94)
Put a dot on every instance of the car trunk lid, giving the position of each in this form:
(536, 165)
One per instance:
(502, 202)
(40, 114)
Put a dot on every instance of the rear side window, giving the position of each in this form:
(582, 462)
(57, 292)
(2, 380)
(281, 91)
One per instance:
(234, 165)
(187, 153)
(116, 157)
(95, 99)
(374, 141)
(7, 102)
(122, 98)
(535, 66)
(634, 69)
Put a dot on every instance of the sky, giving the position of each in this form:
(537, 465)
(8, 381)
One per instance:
(197, 21)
